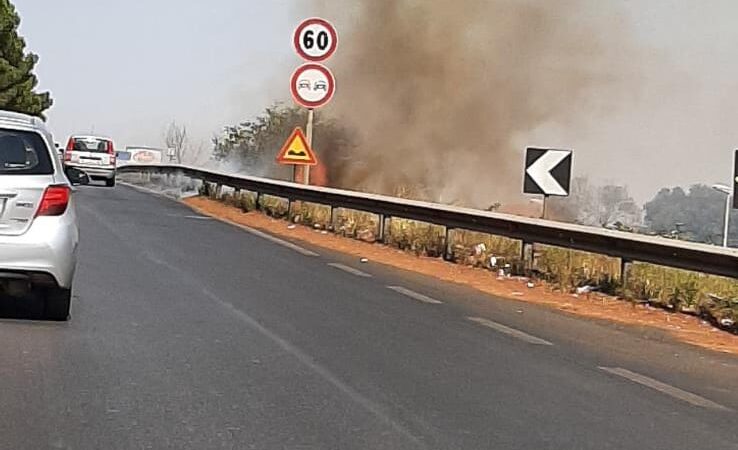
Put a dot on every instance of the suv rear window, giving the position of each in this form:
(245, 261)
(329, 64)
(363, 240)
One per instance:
(23, 153)
(91, 144)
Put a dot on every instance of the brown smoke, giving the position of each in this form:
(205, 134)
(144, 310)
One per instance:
(442, 93)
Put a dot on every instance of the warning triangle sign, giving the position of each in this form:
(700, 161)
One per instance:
(297, 151)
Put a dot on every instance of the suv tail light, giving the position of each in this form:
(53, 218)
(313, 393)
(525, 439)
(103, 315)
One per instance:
(54, 201)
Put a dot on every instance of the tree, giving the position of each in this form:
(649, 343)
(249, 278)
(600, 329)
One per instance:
(176, 140)
(251, 146)
(254, 143)
(615, 205)
(587, 204)
(17, 81)
(699, 213)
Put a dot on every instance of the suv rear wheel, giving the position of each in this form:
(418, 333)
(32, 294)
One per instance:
(57, 304)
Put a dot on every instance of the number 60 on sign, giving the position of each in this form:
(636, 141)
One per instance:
(315, 39)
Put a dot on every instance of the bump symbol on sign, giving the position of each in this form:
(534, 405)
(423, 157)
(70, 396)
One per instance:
(297, 151)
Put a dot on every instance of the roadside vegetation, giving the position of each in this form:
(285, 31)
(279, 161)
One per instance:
(17, 80)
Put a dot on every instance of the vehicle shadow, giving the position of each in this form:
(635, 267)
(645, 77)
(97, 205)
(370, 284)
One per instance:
(30, 307)
(93, 184)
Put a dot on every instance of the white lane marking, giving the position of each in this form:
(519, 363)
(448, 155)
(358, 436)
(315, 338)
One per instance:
(198, 217)
(509, 331)
(667, 389)
(350, 270)
(190, 216)
(269, 237)
(416, 295)
(324, 373)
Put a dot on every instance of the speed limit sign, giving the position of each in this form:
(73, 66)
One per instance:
(315, 39)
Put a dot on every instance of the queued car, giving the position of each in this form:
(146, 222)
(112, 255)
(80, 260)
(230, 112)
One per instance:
(95, 155)
(39, 233)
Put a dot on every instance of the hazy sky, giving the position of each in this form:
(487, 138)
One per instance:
(127, 68)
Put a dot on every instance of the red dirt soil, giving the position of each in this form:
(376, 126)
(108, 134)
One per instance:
(685, 328)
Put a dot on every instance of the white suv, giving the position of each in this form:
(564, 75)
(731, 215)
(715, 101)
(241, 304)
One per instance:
(93, 154)
(39, 234)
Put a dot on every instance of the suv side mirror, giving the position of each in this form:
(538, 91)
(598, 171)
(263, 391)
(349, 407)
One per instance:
(77, 176)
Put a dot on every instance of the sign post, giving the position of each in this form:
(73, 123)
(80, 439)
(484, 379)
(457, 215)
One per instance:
(312, 84)
(309, 131)
(735, 180)
(547, 172)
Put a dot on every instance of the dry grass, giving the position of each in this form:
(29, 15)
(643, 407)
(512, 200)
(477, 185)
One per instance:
(416, 237)
(692, 292)
(567, 269)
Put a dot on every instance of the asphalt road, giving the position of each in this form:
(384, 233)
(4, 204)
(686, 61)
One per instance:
(188, 333)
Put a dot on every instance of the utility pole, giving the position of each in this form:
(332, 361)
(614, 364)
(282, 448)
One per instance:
(728, 200)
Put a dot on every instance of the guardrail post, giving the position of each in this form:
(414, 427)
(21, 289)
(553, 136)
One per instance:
(333, 218)
(380, 234)
(526, 256)
(257, 202)
(625, 264)
(447, 251)
(237, 197)
(218, 191)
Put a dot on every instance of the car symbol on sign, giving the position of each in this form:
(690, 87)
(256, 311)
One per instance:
(303, 84)
(321, 85)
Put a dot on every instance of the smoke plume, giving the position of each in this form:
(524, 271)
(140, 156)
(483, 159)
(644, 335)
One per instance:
(442, 94)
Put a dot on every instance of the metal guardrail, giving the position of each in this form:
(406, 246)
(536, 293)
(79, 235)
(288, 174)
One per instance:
(629, 247)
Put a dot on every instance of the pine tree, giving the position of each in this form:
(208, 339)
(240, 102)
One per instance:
(17, 81)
